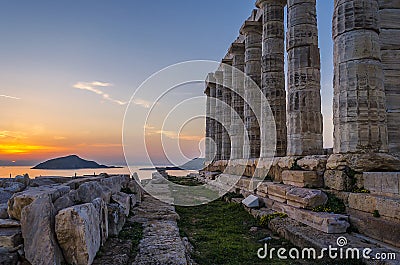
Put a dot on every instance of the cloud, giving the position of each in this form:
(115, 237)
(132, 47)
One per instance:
(13, 134)
(141, 102)
(9, 97)
(94, 87)
(150, 130)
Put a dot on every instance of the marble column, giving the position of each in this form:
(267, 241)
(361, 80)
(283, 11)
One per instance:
(389, 14)
(273, 71)
(218, 114)
(210, 118)
(226, 112)
(304, 98)
(359, 95)
(252, 30)
(237, 116)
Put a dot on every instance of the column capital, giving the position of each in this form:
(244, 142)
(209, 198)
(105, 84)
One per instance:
(251, 26)
(237, 48)
(261, 3)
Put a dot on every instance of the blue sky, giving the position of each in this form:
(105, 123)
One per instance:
(48, 47)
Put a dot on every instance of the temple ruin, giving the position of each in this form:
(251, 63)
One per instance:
(363, 168)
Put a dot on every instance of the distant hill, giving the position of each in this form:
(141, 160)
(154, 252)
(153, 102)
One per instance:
(194, 164)
(69, 162)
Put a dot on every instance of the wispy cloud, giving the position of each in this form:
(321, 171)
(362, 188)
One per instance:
(94, 87)
(9, 97)
(13, 134)
(141, 102)
(150, 130)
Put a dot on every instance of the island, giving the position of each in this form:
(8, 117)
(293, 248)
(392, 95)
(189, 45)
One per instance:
(69, 162)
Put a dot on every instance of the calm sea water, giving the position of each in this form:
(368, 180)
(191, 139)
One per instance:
(33, 173)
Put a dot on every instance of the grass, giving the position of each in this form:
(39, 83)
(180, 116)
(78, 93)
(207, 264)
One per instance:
(134, 232)
(220, 234)
(184, 181)
(334, 205)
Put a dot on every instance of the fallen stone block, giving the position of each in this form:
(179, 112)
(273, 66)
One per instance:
(278, 190)
(22, 199)
(38, 224)
(337, 180)
(302, 179)
(313, 163)
(78, 233)
(65, 201)
(13, 186)
(5, 195)
(3, 211)
(10, 238)
(133, 201)
(8, 223)
(124, 200)
(89, 191)
(306, 198)
(325, 222)
(102, 210)
(114, 183)
(251, 202)
(23, 179)
(7, 258)
(116, 218)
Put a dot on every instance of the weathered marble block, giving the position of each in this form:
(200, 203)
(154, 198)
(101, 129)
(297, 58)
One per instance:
(384, 183)
(306, 198)
(302, 178)
(387, 206)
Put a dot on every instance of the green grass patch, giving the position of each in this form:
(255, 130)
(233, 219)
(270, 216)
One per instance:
(185, 181)
(220, 234)
(134, 232)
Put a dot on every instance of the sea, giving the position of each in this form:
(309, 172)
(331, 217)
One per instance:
(7, 171)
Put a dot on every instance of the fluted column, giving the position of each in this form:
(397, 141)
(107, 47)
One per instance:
(237, 128)
(226, 113)
(390, 51)
(273, 72)
(252, 30)
(359, 96)
(304, 98)
(210, 117)
(218, 114)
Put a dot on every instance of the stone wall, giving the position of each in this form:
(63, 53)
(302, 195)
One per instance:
(63, 220)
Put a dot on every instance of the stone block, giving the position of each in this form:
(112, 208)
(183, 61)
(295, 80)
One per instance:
(302, 178)
(89, 191)
(102, 210)
(286, 162)
(263, 187)
(116, 218)
(124, 200)
(278, 190)
(337, 180)
(387, 206)
(38, 231)
(313, 163)
(8, 223)
(368, 162)
(10, 238)
(3, 211)
(251, 202)
(325, 222)
(78, 233)
(22, 199)
(306, 198)
(384, 183)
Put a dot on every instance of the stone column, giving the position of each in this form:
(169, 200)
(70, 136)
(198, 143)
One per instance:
(237, 129)
(359, 96)
(218, 114)
(390, 51)
(226, 113)
(252, 30)
(304, 98)
(273, 71)
(210, 122)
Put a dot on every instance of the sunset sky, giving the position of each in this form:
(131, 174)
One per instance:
(68, 69)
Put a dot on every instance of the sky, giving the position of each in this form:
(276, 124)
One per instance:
(68, 69)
